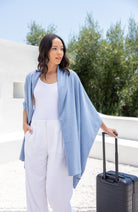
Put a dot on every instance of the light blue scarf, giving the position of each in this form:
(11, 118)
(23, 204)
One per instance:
(78, 117)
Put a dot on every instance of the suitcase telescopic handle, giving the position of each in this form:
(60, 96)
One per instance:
(116, 157)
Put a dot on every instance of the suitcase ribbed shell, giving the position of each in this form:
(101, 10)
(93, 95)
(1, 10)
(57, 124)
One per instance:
(121, 196)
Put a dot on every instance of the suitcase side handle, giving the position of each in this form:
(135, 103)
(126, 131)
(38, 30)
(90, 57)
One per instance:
(116, 157)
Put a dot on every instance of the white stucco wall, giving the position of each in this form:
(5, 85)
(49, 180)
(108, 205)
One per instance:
(16, 60)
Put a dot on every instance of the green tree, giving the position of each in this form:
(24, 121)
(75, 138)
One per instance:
(108, 68)
(128, 101)
(113, 69)
(83, 52)
(36, 33)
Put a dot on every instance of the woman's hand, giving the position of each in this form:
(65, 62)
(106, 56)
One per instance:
(27, 127)
(109, 131)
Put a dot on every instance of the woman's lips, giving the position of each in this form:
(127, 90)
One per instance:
(58, 58)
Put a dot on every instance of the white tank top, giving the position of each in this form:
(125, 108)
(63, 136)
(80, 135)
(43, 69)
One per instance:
(46, 101)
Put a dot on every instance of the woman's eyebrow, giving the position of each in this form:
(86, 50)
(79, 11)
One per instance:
(56, 46)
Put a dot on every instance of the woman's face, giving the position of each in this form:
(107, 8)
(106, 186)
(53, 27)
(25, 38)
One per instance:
(56, 52)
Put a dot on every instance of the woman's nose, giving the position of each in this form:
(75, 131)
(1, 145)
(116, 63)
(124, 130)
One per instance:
(60, 51)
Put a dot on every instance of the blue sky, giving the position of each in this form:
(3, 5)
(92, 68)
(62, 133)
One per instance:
(67, 16)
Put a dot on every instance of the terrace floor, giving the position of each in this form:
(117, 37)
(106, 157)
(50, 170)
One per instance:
(12, 186)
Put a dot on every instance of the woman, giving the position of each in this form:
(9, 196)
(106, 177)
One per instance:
(60, 124)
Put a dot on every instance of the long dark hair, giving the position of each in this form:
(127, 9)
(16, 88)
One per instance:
(44, 48)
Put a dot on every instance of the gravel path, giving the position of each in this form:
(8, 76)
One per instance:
(12, 186)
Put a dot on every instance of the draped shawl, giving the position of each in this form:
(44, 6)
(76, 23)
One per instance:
(78, 118)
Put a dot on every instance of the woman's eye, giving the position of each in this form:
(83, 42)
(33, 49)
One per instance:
(54, 48)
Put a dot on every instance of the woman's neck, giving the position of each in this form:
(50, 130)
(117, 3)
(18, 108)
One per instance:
(52, 68)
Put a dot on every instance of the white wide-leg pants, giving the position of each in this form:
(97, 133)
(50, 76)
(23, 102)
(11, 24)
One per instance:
(46, 174)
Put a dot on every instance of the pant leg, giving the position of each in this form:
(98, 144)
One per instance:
(36, 168)
(59, 185)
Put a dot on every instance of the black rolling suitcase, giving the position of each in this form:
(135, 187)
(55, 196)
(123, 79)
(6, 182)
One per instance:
(116, 191)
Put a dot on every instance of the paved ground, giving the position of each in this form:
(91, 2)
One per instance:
(12, 186)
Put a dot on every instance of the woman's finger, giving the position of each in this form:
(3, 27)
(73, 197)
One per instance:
(113, 132)
(113, 135)
(30, 130)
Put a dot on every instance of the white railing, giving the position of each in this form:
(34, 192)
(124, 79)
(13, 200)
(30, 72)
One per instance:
(127, 127)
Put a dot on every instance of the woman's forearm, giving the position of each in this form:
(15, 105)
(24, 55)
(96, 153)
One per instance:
(104, 127)
(25, 120)
(25, 117)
